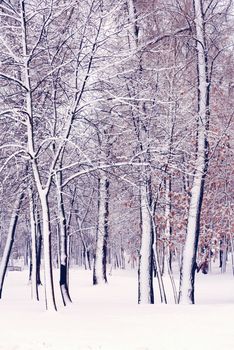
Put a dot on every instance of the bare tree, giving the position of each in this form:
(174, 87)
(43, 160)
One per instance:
(202, 14)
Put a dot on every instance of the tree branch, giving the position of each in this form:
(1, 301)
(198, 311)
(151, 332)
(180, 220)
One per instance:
(100, 167)
(17, 81)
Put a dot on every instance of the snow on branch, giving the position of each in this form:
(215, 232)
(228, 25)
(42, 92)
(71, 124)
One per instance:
(101, 167)
(17, 81)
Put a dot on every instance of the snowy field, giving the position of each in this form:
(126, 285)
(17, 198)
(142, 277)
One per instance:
(108, 317)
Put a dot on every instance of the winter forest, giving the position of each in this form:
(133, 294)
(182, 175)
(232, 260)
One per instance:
(116, 168)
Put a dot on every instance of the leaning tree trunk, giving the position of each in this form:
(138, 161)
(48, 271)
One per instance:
(187, 277)
(99, 268)
(10, 239)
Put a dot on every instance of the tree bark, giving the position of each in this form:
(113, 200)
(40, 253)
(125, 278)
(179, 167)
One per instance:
(187, 275)
(33, 263)
(63, 242)
(145, 267)
(42, 192)
(145, 270)
(167, 250)
(168, 231)
(10, 239)
(99, 268)
(48, 272)
(39, 246)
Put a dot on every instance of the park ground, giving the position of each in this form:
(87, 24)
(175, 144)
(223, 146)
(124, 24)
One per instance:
(108, 317)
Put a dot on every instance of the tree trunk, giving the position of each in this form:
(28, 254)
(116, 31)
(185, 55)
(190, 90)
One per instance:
(10, 240)
(33, 263)
(145, 267)
(63, 242)
(167, 251)
(42, 192)
(187, 276)
(145, 271)
(224, 254)
(99, 268)
(48, 272)
(39, 245)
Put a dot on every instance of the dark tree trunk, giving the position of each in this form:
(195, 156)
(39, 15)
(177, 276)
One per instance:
(10, 240)
(38, 258)
(63, 256)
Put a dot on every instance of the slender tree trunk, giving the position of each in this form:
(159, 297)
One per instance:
(167, 256)
(42, 192)
(145, 271)
(99, 268)
(187, 276)
(123, 265)
(224, 254)
(10, 239)
(39, 246)
(48, 271)
(86, 258)
(79, 222)
(167, 250)
(158, 274)
(63, 242)
(232, 253)
(33, 270)
(145, 267)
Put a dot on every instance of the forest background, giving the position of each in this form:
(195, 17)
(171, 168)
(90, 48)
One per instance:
(116, 145)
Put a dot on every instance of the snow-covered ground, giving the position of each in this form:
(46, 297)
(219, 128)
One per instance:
(108, 317)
